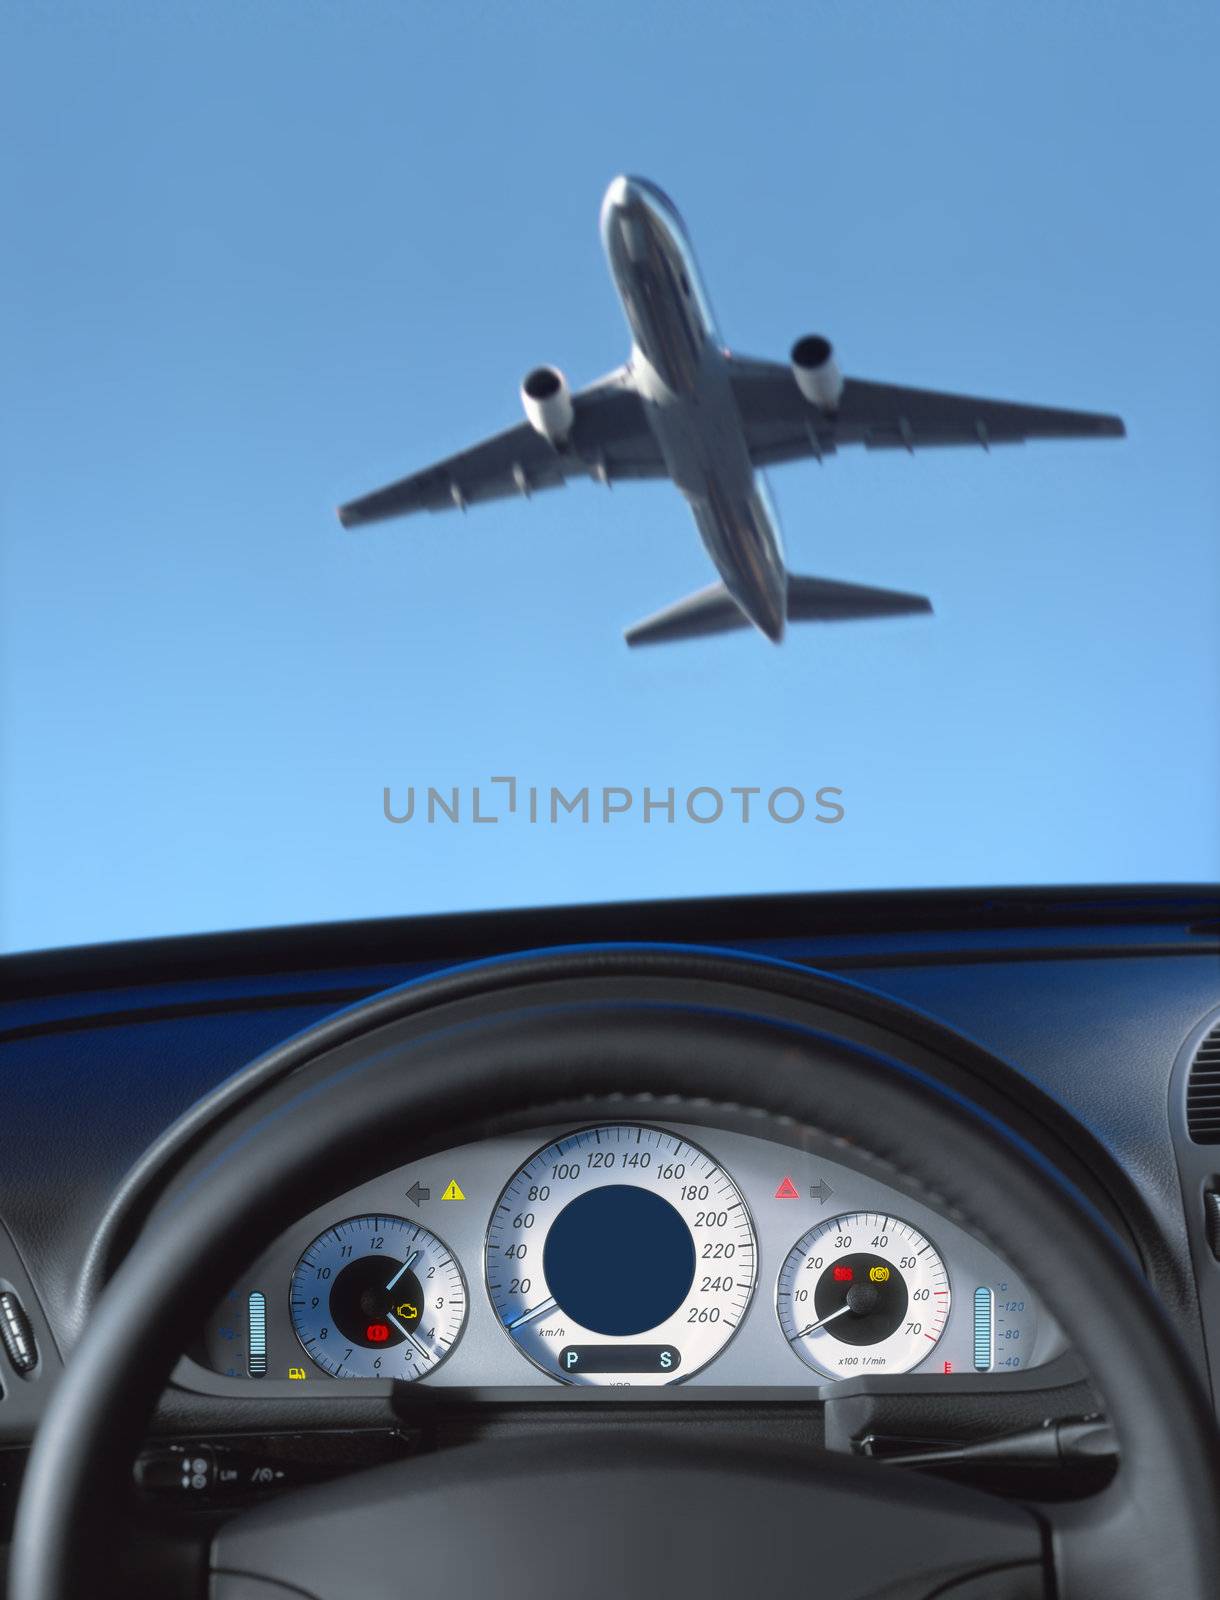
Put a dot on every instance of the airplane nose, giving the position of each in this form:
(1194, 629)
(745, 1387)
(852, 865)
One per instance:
(625, 218)
(621, 196)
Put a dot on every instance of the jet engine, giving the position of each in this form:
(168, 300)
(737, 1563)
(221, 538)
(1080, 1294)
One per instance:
(548, 404)
(817, 372)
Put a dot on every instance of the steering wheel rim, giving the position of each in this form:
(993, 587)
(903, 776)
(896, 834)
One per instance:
(648, 1033)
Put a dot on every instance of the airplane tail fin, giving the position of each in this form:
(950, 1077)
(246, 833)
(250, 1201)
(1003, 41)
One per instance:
(713, 610)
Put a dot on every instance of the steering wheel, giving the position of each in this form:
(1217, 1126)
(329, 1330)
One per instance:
(604, 1510)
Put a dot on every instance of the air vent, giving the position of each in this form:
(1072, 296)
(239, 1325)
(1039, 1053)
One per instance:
(1203, 1091)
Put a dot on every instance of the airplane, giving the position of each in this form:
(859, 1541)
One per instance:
(686, 408)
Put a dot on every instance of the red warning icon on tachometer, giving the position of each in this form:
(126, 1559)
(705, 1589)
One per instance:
(787, 1191)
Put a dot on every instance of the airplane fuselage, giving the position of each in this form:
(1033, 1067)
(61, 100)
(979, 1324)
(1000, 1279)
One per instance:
(680, 371)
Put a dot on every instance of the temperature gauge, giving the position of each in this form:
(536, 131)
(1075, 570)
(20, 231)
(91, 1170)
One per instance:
(1005, 1326)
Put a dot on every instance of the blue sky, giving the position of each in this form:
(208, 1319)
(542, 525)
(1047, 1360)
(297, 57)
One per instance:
(261, 259)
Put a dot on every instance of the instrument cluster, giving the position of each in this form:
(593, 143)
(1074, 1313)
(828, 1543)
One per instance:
(626, 1254)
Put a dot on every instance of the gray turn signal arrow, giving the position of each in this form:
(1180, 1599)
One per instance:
(820, 1191)
(419, 1191)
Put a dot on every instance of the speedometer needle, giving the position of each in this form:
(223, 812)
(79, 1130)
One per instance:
(529, 1316)
(814, 1326)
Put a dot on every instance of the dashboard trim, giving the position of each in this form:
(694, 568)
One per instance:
(435, 941)
(1198, 1172)
(1063, 1371)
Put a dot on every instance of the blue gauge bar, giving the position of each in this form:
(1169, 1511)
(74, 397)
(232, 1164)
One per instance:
(984, 1318)
(256, 1361)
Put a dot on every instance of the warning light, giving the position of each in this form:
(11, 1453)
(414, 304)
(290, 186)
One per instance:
(787, 1191)
(879, 1274)
(377, 1332)
(948, 1366)
(843, 1274)
(454, 1191)
(296, 1372)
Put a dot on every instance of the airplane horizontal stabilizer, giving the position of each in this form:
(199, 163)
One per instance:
(713, 610)
(710, 610)
(823, 600)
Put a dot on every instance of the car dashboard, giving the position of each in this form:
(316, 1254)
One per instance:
(626, 1255)
(638, 1260)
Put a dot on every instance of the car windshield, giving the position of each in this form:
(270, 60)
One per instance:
(768, 605)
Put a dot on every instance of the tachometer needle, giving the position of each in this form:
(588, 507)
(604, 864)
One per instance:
(407, 1334)
(404, 1268)
(814, 1326)
(530, 1316)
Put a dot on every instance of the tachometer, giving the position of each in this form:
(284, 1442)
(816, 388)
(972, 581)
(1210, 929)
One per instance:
(377, 1297)
(864, 1292)
(620, 1254)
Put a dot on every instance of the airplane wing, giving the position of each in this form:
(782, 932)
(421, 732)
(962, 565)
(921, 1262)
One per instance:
(781, 425)
(610, 439)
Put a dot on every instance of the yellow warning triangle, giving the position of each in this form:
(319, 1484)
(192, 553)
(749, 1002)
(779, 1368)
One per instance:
(453, 1192)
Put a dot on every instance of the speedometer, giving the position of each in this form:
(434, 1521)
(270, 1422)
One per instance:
(620, 1254)
(864, 1292)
